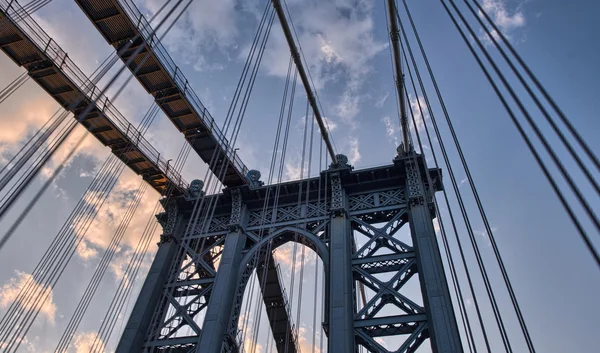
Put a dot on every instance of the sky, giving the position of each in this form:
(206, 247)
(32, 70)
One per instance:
(345, 43)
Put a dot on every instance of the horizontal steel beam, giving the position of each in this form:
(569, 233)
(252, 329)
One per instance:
(390, 320)
(379, 258)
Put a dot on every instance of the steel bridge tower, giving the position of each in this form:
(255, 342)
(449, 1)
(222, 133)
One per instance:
(186, 279)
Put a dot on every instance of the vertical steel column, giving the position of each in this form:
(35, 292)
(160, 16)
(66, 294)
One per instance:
(136, 329)
(219, 307)
(441, 321)
(341, 299)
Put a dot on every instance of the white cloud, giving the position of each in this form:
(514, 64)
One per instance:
(84, 341)
(506, 20)
(23, 117)
(10, 291)
(85, 251)
(417, 105)
(348, 106)
(203, 65)
(354, 156)
(284, 256)
(330, 124)
(206, 25)
(485, 236)
(327, 50)
(109, 217)
(338, 44)
(293, 171)
(305, 345)
(392, 129)
(29, 345)
(381, 101)
(501, 16)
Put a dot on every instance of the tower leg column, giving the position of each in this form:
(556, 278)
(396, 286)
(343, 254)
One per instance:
(341, 302)
(443, 329)
(137, 326)
(221, 300)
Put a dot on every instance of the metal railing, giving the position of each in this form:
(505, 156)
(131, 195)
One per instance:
(288, 309)
(165, 60)
(61, 60)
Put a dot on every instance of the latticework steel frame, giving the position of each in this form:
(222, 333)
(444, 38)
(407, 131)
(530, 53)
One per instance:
(192, 298)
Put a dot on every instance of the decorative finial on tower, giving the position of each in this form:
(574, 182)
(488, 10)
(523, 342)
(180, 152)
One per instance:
(195, 188)
(342, 162)
(401, 152)
(253, 177)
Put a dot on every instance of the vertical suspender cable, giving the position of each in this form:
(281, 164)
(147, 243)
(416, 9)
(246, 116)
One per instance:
(526, 139)
(539, 86)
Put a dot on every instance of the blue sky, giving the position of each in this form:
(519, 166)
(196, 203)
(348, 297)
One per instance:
(346, 46)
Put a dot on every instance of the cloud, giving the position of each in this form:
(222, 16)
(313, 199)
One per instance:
(354, 156)
(305, 345)
(9, 293)
(30, 345)
(392, 130)
(338, 43)
(85, 251)
(109, 217)
(121, 261)
(84, 341)
(348, 106)
(507, 21)
(330, 124)
(25, 113)
(246, 325)
(284, 256)
(19, 119)
(381, 101)
(207, 27)
(293, 171)
(417, 105)
(203, 65)
(485, 236)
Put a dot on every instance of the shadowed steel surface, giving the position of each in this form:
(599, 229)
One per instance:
(277, 307)
(26, 43)
(119, 22)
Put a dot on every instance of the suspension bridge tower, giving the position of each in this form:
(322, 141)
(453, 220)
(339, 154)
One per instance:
(185, 278)
(213, 244)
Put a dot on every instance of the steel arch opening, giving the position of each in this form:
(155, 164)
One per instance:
(277, 298)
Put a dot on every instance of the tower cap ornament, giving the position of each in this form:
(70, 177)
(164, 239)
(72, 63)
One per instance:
(195, 188)
(341, 162)
(253, 177)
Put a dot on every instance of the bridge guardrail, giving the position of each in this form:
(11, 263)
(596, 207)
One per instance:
(152, 40)
(60, 58)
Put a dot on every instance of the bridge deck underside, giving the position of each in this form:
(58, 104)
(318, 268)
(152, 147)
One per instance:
(49, 66)
(159, 75)
(277, 307)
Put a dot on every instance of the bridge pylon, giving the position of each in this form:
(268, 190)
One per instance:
(191, 300)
